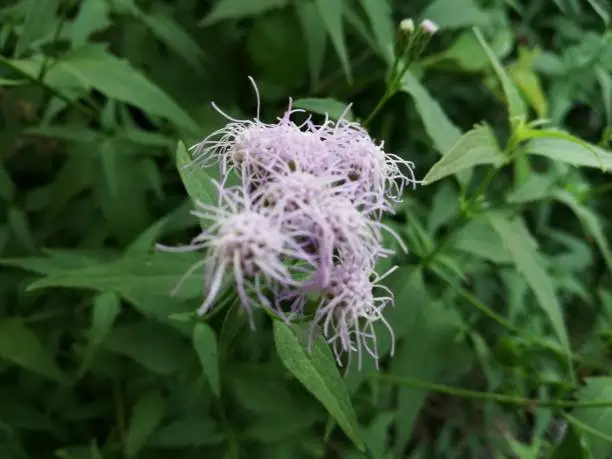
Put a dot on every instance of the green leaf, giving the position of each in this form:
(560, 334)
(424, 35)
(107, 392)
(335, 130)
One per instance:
(234, 322)
(106, 309)
(93, 16)
(164, 310)
(440, 129)
(315, 37)
(147, 415)
(175, 37)
(479, 239)
(516, 106)
(599, 420)
(39, 14)
(536, 187)
(238, 9)
(318, 373)
(55, 262)
(477, 146)
(110, 159)
(570, 152)
(158, 348)
(571, 447)
(454, 14)
(21, 346)
(524, 76)
(197, 182)
(527, 133)
(11, 82)
(271, 430)
(434, 330)
(443, 208)
(263, 390)
(331, 12)
(19, 224)
(205, 344)
(590, 221)
(467, 53)
(153, 274)
(377, 435)
(605, 81)
(334, 108)
(147, 239)
(438, 126)
(601, 10)
(67, 133)
(523, 247)
(7, 187)
(193, 431)
(277, 54)
(379, 14)
(93, 67)
(94, 451)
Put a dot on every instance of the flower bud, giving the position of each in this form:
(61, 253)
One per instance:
(429, 27)
(407, 26)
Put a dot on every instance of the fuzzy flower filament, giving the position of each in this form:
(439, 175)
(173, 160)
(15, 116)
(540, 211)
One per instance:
(304, 223)
(349, 309)
(250, 243)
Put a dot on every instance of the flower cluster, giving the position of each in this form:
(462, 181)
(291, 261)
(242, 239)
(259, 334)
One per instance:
(303, 223)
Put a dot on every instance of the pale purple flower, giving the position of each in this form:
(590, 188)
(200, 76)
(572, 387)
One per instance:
(349, 310)
(257, 150)
(372, 178)
(250, 243)
(295, 191)
(304, 223)
(327, 224)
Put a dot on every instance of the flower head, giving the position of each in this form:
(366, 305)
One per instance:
(250, 243)
(349, 309)
(323, 222)
(373, 179)
(295, 191)
(305, 222)
(257, 150)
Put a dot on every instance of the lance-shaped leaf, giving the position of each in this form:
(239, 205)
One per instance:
(476, 147)
(318, 373)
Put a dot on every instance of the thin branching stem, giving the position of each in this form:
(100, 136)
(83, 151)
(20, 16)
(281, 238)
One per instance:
(489, 396)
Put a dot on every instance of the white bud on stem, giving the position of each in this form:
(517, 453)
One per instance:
(407, 26)
(429, 27)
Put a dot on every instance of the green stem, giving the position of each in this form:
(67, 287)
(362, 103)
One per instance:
(323, 85)
(432, 60)
(600, 189)
(488, 396)
(47, 59)
(389, 92)
(34, 80)
(119, 414)
(461, 219)
(483, 308)
(56, 34)
(466, 212)
(232, 436)
(586, 428)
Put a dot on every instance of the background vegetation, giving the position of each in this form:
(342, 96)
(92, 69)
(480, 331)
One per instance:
(503, 305)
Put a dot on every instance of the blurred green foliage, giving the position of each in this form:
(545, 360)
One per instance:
(503, 306)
